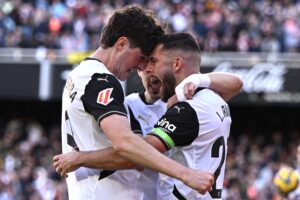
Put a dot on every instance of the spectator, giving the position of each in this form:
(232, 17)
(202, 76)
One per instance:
(268, 26)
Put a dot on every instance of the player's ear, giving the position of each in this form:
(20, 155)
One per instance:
(177, 64)
(121, 42)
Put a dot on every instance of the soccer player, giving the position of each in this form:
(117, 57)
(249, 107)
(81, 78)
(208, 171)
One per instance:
(92, 159)
(94, 116)
(146, 108)
(197, 130)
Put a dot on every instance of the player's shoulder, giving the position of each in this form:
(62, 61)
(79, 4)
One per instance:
(180, 108)
(90, 66)
(132, 96)
(92, 69)
(132, 99)
(206, 96)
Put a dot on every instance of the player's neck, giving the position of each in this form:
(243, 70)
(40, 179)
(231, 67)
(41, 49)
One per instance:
(105, 56)
(148, 98)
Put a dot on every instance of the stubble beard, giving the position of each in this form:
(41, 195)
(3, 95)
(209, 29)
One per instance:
(168, 86)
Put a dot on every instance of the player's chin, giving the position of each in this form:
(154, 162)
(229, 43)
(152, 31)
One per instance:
(155, 96)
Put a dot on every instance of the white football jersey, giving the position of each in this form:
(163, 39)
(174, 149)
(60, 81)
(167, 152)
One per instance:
(197, 130)
(143, 117)
(91, 94)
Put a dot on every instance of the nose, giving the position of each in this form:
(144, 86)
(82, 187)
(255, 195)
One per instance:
(149, 68)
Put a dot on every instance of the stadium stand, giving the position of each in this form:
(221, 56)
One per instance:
(265, 130)
(229, 25)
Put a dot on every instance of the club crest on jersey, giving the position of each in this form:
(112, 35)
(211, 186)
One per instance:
(104, 96)
(163, 123)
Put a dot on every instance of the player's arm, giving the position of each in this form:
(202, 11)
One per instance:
(226, 84)
(103, 98)
(98, 159)
(132, 147)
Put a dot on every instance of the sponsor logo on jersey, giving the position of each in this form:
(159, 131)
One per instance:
(104, 96)
(140, 117)
(178, 108)
(163, 123)
(103, 79)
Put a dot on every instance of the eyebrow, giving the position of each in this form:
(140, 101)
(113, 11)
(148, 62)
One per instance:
(153, 58)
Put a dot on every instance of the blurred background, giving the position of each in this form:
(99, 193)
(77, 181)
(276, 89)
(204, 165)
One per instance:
(42, 40)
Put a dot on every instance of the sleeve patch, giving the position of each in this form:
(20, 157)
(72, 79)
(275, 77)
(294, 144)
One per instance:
(104, 96)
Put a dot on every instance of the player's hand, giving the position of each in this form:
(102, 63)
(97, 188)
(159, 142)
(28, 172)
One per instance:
(189, 90)
(201, 181)
(185, 90)
(65, 163)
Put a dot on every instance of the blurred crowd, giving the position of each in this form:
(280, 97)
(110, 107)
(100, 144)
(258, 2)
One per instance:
(26, 172)
(219, 25)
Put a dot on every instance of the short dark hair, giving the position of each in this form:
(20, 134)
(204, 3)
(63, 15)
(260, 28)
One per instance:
(180, 41)
(137, 24)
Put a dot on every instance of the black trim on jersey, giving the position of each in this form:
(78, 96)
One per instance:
(105, 173)
(198, 90)
(89, 58)
(98, 83)
(177, 194)
(134, 123)
(180, 123)
(143, 98)
(70, 138)
(71, 142)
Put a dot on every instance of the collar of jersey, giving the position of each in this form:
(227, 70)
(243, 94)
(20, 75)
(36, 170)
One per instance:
(89, 58)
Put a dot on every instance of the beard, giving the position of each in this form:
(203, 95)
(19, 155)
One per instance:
(168, 87)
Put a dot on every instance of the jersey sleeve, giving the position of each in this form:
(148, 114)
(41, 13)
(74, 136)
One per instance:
(134, 123)
(103, 96)
(178, 127)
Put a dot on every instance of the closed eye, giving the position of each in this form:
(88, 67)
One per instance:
(153, 60)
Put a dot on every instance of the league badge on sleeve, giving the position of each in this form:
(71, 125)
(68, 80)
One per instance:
(104, 96)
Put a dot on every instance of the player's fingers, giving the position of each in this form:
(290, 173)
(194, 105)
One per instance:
(212, 179)
(63, 173)
(185, 90)
(55, 158)
(191, 89)
(58, 170)
(55, 164)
